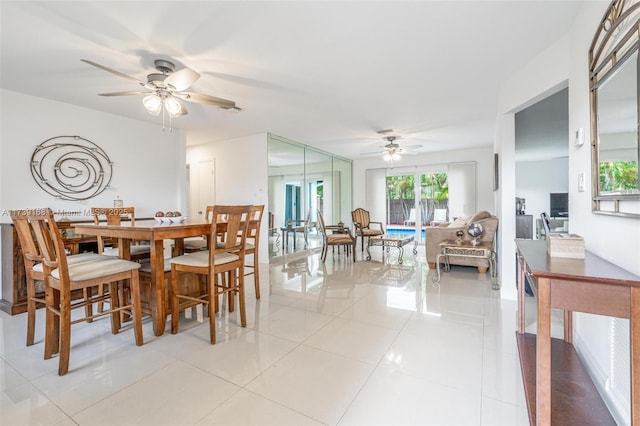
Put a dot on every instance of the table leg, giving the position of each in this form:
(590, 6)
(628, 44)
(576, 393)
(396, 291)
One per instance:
(294, 240)
(158, 303)
(415, 248)
(521, 286)
(543, 352)
(368, 246)
(436, 279)
(495, 285)
(568, 326)
(400, 253)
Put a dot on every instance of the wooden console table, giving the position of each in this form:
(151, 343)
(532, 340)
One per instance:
(561, 392)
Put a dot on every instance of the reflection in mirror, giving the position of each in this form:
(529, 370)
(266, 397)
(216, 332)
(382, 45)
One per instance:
(286, 175)
(301, 181)
(613, 75)
(618, 130)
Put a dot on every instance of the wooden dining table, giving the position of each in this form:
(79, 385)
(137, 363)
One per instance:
(155, 232)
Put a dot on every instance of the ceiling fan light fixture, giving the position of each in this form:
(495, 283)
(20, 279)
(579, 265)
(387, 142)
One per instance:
(153, 104)
(391, 155)
(173, 107)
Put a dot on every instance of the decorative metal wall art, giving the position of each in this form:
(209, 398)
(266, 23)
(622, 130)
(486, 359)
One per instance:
(71, 168)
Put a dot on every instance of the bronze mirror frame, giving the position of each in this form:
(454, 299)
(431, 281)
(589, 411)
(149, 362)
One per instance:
(616, 40)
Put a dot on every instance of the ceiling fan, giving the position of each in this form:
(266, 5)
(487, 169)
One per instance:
(166, 89)
(392, 149)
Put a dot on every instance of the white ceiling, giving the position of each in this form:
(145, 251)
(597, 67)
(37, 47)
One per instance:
(327, 74)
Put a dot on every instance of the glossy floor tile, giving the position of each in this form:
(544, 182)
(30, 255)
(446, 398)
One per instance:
(335, 343)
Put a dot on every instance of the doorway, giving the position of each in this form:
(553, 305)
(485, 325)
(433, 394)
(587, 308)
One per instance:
(292, 204)
(201, 188)
(542, 160)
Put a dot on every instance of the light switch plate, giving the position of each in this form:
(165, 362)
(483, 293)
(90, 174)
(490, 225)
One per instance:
(579, 140)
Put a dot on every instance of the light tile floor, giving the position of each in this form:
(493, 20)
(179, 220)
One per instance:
(336, 343)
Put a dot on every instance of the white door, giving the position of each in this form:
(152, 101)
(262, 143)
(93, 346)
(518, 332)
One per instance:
(203, 192)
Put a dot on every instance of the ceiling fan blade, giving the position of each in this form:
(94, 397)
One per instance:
(112, 71)
(373, 153)
(125, 93)
(418, 146)
(183, 79)
(206, 99)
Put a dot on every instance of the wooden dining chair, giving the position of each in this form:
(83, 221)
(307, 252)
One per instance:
(34, 270)
(192, 244)
(334, 235)
(226, 257)
(109, 246)
(114, 216)
(62, 278)
(252, 244)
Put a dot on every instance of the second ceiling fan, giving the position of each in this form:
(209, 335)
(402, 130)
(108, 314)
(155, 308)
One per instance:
(392, 148)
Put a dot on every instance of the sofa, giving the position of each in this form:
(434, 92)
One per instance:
(447, 231)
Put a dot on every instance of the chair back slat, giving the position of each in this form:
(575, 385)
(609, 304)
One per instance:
(28, 244)
(49, 241)
(255, 219)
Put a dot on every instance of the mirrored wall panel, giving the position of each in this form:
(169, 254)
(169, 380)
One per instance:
(304, 182)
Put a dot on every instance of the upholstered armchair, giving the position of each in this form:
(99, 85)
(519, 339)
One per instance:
(447, 231)
(363, 225)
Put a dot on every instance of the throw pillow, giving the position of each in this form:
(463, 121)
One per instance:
(458, 223)
(483, 214)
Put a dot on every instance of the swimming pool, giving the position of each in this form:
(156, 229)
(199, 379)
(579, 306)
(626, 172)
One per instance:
(411, 231)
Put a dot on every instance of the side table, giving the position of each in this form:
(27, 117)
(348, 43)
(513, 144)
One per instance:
(465, 249)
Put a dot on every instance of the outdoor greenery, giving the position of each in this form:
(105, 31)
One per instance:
(618, 176)
(434, 186)
(434, 194)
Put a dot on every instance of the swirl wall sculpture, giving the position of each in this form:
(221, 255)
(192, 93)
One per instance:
(71, 168)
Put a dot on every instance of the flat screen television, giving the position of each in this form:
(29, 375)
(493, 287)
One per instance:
(559, 204)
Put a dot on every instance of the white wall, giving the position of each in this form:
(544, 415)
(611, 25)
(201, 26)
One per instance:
(543, 76)
(535, 180)
(148, 171)
(613, 238)
(240, 174)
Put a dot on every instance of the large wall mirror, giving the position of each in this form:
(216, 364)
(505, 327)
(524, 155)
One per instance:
(303, 181)
(614, 84)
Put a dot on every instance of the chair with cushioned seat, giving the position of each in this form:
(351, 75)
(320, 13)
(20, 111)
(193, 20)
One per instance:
(362, 223)
(114, 216)
(192, 244)
(108, 246)
(225, 257)
(34, 270)
(62, 278)
(335, 235)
